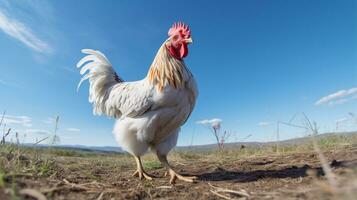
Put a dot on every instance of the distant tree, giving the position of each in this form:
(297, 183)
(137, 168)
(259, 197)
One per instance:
(55, 139)
(215, 126)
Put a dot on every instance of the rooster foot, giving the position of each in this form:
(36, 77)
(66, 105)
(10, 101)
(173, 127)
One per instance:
(174, 176)
(141, 174)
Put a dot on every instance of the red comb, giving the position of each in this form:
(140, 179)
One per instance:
(180, 26)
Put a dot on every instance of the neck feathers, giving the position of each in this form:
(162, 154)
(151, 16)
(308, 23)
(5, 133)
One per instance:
(166, 69)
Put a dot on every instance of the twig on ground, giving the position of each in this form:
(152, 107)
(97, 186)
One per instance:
(216, 190)
(33, 193)
(220, 195)
(100, 196)
(95, 183)
(18, 175)
(75, 186)
(164, 187)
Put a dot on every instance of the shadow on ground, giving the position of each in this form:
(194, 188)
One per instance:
(220, 174)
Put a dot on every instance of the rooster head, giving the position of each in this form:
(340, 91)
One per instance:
(179, 38)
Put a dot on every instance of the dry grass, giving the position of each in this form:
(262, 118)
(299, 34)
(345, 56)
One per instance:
(252, 172)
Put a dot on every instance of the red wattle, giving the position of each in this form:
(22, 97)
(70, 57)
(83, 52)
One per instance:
(183, 50)
(179, 52)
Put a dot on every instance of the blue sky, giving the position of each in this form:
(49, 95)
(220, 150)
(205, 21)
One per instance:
(256, 62)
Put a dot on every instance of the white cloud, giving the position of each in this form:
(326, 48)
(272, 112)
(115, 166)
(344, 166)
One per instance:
(339, 97)
(73, 129)
(49, 120)
(215, 122)
(38, 131)
(345, 119)
(19, 120)
(23, 33)
(263, 124)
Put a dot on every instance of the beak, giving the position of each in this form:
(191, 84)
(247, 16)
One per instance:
(189, 40)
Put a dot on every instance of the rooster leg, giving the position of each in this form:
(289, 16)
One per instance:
(140, 171)
(172, 173)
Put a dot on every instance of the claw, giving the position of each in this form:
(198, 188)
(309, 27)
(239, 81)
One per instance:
(140, 171)
(174, 176)
(141, 174)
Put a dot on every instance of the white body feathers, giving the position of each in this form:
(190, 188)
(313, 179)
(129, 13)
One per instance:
(149, 112)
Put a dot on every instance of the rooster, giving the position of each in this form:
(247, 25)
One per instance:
(148, 112)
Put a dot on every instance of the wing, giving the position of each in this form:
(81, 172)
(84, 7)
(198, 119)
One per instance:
(132, 99)
(108, 93)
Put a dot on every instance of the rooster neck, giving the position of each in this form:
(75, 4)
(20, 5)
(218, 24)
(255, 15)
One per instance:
(166, 69)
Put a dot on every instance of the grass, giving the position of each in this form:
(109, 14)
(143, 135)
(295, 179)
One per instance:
(43, 156)
(43, 163)
(152, 165)
(2, 182)
(67, 153)
(326, 143)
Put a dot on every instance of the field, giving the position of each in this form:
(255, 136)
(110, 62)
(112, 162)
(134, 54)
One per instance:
(294, 172)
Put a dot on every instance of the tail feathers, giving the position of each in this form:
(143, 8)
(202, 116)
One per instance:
(97, 69)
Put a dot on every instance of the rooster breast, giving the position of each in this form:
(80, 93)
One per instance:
(170, 110)
(174, 107)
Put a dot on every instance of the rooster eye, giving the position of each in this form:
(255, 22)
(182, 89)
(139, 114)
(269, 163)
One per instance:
(175, 37)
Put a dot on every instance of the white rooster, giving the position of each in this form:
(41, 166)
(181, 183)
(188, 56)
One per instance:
(150, 111)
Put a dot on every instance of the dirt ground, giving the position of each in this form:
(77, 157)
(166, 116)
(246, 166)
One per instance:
(276, 176)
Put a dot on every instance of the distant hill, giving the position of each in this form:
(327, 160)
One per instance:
(103, 149)
(93, 148)
(111, 149)
(294, 141)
